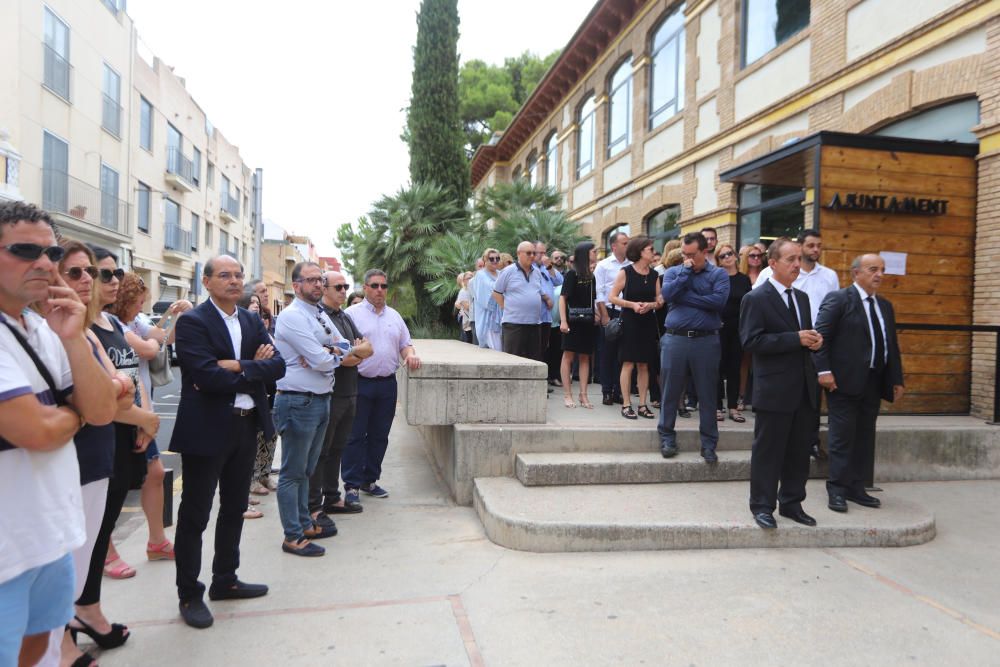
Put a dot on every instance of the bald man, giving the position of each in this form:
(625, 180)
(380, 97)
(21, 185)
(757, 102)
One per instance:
(519, 292)
(858, 365)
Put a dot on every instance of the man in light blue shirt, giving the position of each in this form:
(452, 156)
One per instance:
(518, 291)
(313, 349)
(551, 279)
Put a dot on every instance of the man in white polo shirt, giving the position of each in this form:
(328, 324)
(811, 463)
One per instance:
(41, 520)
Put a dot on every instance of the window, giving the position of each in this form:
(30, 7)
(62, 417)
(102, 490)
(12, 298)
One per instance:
(195, 166)
(111, 115)
(174, 147)
(145, 124)
(611, 232)
(109, 197)
(620, 109)
(518, 174)
(770, 211)
(56, 55)
(55, 173)
(551, 165)
(663, 226)
(949, 122)
(210, 175)
(666, 94)
(585, 138)
(768, 23)
(114, 6)
(142, 207)
(532, 169)
(223, 241)
(195, 221)
(208, 234)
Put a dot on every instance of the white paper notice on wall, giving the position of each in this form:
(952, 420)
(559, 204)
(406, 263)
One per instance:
(895, 263)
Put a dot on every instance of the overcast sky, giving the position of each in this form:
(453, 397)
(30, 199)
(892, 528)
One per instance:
(312, 92)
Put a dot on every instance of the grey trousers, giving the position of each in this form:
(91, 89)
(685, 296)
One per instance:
(700, 357)
(324, 484)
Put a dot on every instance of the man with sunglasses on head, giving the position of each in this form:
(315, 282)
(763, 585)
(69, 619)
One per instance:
(51, 383)
(324, 485)
(383, 327)
(226, 361)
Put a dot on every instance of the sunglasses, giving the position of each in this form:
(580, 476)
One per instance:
(494, 258)
(322, 323)
(754, 255)
(340, 288)
(29, 252)
(726, 255)
(108, 274)
(76, 272)
(378, 285)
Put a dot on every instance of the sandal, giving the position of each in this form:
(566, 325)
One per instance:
(655, 404)
(259, 489)
(164, 551)
(644, 411)
(585, 403)
(740, 405)
(628, 412)
(737, 416)
(568, 402)
(119, 634)
(720, 415)
(253, 501)
(251, 513)
(123, 571)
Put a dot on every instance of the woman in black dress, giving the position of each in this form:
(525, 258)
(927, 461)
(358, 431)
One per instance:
(578, 319)
(637, 292)
(729, 337)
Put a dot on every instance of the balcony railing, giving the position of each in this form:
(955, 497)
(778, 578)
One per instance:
(61, 193)
(176, 239)
(111, 116)
(230, 205)
(57, 72)
(179, 167)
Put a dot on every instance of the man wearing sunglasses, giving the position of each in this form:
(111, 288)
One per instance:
(383, 327)
(520, 292)
(50, 385)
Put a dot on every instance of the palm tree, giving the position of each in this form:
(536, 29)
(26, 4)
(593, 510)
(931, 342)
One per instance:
(448, 256)
(496, 203)
(551, 227)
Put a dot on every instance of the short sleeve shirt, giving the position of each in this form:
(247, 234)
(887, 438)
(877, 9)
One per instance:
(42, 517)
(522, 294)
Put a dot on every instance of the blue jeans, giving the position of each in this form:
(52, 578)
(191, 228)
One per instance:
(301, 421)
(680, 357)
(362, 462)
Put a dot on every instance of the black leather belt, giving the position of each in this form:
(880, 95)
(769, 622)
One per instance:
(302, 393)
(380, 378)
(244, 412)
(691, 333)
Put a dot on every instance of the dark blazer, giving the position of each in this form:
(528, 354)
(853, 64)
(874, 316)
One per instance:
(783, 371)
(847, 348)
(205, 413)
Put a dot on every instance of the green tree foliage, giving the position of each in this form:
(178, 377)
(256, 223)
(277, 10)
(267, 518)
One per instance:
(491, 94)
(434, 127)
(536, 224)
(503, 199)
(449, 256)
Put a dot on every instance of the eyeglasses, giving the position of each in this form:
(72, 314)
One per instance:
(29, 252)
(311, 281)
(727, 254)
(108, 274)
(378, 285)
(76, 272)
(343, 287)
(754, 255)
(494, 258)
(229, 275)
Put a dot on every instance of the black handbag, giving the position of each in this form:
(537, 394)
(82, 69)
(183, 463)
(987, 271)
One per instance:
(583, 315)
(614, 329)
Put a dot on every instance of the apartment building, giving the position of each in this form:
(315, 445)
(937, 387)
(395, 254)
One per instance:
(761, 117)
(113, 145)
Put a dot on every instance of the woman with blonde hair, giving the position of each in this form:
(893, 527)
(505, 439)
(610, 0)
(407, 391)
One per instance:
(729, 337)
(487, 311)
(463, 304)
(751, 262)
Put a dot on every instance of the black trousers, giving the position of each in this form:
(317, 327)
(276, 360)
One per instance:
(851, 437)
(554, 354)
(779, 462)
(230, 471)
(729, 367)
(324, 485)
(611, 365)
(544, 335)
(520, 339)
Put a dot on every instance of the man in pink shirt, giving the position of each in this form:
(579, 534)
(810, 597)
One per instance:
(383, 327)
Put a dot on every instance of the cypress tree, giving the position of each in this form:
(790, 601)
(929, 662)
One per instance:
(437, 153)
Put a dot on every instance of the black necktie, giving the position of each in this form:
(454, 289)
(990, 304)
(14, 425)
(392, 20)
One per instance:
(879, 342)
(791, 306)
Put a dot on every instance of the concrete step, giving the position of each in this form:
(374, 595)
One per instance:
(545, 469)
(697, 515)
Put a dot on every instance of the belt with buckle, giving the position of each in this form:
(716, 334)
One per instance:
(243, 412)
(291, 392)
(691, 333)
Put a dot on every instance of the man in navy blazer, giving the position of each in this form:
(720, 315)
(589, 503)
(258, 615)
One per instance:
(226, 360)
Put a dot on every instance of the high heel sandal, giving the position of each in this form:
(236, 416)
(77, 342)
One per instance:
(118, 635)
(568, 402)
(585, 403)
(628, 412)
(644, 411)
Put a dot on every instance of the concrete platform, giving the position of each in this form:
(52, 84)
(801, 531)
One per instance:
(679, 516)
(635, 468)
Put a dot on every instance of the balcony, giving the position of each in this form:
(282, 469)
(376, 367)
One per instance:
(57, 73)
(70, 197)
(176, 242)
(179, 170)
(229, 208)
(111, 117)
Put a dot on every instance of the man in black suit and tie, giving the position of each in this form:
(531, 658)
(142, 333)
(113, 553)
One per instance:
(226, 360)
(776, 327)
(859, 365)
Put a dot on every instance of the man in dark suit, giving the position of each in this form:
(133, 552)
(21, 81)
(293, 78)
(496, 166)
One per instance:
(226, 360)
(859, 365)
(776, 327)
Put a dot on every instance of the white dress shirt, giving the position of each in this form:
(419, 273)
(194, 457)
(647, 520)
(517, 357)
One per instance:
(816, 283)
(871, 331)
(604, 276)
(243, 401)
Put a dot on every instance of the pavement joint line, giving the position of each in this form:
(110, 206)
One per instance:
(905, 590)
(465, 630)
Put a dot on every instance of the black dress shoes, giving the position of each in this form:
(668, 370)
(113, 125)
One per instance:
(837, 503)
(765, 520)
(238, 591)
(668, 452)
(196, 614)
(797, 515)
(818, 453)
(709, 455)
(864, 499)
(607, 400)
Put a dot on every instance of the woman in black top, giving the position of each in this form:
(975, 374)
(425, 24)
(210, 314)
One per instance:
(729, 337)
(578, 319)
(637, 292)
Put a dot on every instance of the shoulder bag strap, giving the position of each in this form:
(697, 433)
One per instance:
(39, 364)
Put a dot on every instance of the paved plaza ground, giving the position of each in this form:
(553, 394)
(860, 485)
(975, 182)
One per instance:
(414, 581)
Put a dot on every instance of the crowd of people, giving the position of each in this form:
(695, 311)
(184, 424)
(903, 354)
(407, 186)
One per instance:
(78, 430)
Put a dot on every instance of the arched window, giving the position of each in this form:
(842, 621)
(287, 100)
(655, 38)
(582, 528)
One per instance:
(532, 169)
(620, 109)
(551, 160)
(516, 174)
(663, 226)
(666, 85)
(585, 138)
